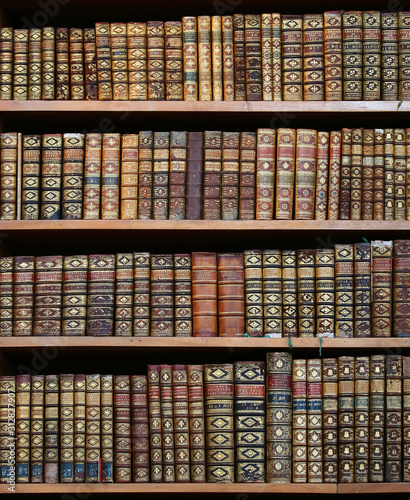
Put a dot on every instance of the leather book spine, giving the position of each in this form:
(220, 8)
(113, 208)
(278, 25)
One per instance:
(239, 56)
(9, 145)
(74, 306)
(299, 421)
(362, 290)
(368, 174)
(305, 176)
(231, 313)
(371, 56)
(90, 65)
(110, 174)
(404, 55)
(247, 176)
(104, 74)
(230, 175)
(401, 288)
(20, 64)
(107, 429)
(335, 151)
(177, 174)
(155, 425)
(314, 421)
(285, 173)
(292, 58)
(6, 296)
(377, 417)
(79, 427)
(77, 64)
(51, 429)
(34, 63)
(265, 172)
(6, 63)
(406, 418)
(267, 57)
(346, 419)
(196, 423)
(146, 145)
(345, 182)
(30, 196)
(217, 61)
(139, 429)
(122, 429)
(344, 285)
(390, 56)
(119, 61)
(92, 428)
(190, 55)
(325, 292)
(160, 184)
(356, 174)
(48, 295)
(100, 295)
(194, 180)
(124, 288)
(48, 65)
(212, 174)
(183, 295)
(249, 419)
(174, 84)
(167, 424)
(382, 268)
(141, 311)
(289, 294)
(66, 436)
(388, 174)
(407, 189)
(22, 416)
(92, 175)
(137, 61)
(7, 429)
(73, 175)
(399, 174)
(51, 172)
(276, 57)
(253, 57)
(219, 418)
(378, 182)
(181, 423)
(23, 295)
(322, 176)
(272, 293)
(253, 293)
(361, 418)
(63, 85)
(279, 417)
(228, 67)
(37, 429)
(204, 294)
(352, 55)
(313, 58)
(204, 58)
(394, 418)
(162, 295)
(129, 176)
(330, 416)
(306, 293)
(333, 58)
(156, 60)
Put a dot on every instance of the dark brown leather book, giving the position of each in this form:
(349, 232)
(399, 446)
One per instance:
(230, 175)
(183, 295)
(289, 293)
(368, 174)
(239, 56)
(361, 418)
(390, 56)
(155, 427)
(74, 305)
(119, 62)
(23, 295)
(22, 416)
(181, 423)
(62, 64)
(137, 61)
(231, 295)
(212, 174)
(352, 55)
(344, 285)
(377, 417)
(272, 293)
(162, 295)
(167, 424)
(66, 409)
(20, 65)
(345, 174)
(371, 56)
(6, 296)
(34, 63)
(382, 267)
(177, 174)
(325, 292)
(394, 418)
(194, 180)
(155, 60)
(142, 284)
(346, 419)
(146, 144)
(79, 427)
(90, 65)
(31, 168)
(51, 429)
(104, 75)
(160, 181)
(196, 422)
(253, 57)
(306, 292)
(330, 420)
(140, 429)
(73, 175)
(77, 64)
(401, 288)
(204, 294)
(253, 293)
(247, 176)
(93, 428)
(37, 429)
(356, 174)
(362, 290)
(122, 429)
(313, 60)
(124, 288)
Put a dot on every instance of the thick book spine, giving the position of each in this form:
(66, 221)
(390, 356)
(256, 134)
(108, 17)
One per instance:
(190, 54)
(361, 419)
(253, 293)
(399, 174)
(34, 63)
(406, 419)
(9, 145)
(74, 304)
(92, 428)
(230, 175)
(90, 65)
(276, 57)
(119, 62)
(137, 61)
(279, 417)
(345, 183)
(344, 285)
(305, 175)
(330, 419)
(346, 419)
(292, 58)
(6, 296)
(100, 295)
(212, 174)
(289, 293)
(156, 60)
(194, 179)
(352, 55)
(183, 295)
(174, 70)
(51, 429)
(228, 69)
(368, 174)
(63, 84)
(401, 288)
(196, 423)
(51, 172)
(110, 176)
(37, 429)
(129, 176)
(92, 175)
(20, 65)
(140, 429)
(162, 295)
(239, 56)
(204, 294)
(247, 176)
(322, 176)
(124, 287)
(177, 174)
(356, 174)
(6, 63)
(23, 295)
(388, 174)
(325, 292)
(394, 418)
(390, 56)
(267, 57)
(371, 56)
(306, 292)
(73, 175)
(253, 57)
(333, 58)
(48, 65)
(362, 290)
(122, 429)
(231, 314)
(79, 427)
(285, 173)
(22, 416)
(30, 195)
(377, 417)
(404, 55)
(217, 65)
(104, 75)
(313, 60)
(299, 421)
(146, 144)
(265, 172)
(48, 295)
(7, 429)
(160, 184)
(66, 409)
(107, 429)
(204, 59)
(155, 428)
(77, 64)
(314, 421)
(141, 312)
(378, 182)
(272, 293)
(382, 267)
(181, 423)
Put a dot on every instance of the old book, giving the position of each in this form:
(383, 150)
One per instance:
(313, 58)
(34, 63)
(276, 57)
(7, 429)
(231, 295)
(322, 176)
(204, 58)
(51, 429)
(100, 295)
(212, 174)
(162, 296)
(160, 189)
(146, 145)
(181, 423)
(90, 65)
(73, 175)
(401, 288)
(177, 174)
(265, 172)
(388, 174)
(267, 57)
(92, 428)
(292, 58)
(247, 176)
(305, 174)
(129, 176)
(377, 417)
(362, 290)
(31, 167)
(74, 303)
(382, 266)
(79, 427)
(51, 172)
(253, 57)
(137, 61)
(279, 417)
(253, 293)
(394, 418)
(6, 296)
(110, 176)
(66, 409)
(344, 286)
(63, 83)
(48, 65)
(330, 419)
(155, 427)
(194, 178)
(406, 408)
(124, 288)
(174, 63)
(107, 429)
(6, 63)
(139, 429)
(9, 171)
(335, 151)
(285, 173)
(404, 55)
(228, 70)
(239, 56)
(230, 175)
(272, 292)
(314, 436)
(196, 405)
(368, 174)
(289, 293)
(22, 295)
(325, 291)
(77, 64)
(92, 175)
(346, 377)
(122, 429)
(20, 64)
(299, 421)
(389, 56)
(399, 174)
(407, 132)
(333, 58)
(142, 284)
(217, 64)
(204, 294)
(361, 418)
(37, 429)
(104, 74)
(371, 56)
(190, 53)
(182, 295)
(378, 182)
(119, 62)
(22, 422)
(345, 174)
(306, 292)
(352, 55)
(155, 60)
(356, 174)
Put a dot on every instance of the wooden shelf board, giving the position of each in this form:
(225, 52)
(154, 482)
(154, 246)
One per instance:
(373, 488)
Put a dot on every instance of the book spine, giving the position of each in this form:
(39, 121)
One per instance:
(377, 417)
(90, 65)
(335, 151)
(140, 429)
(352, 55)
(107, 429)
(30, 196)
(325, 292)
(174, 64)
(110, 173)
(394, 418)
(322, 175)
(212, 175)
(23, 296)
(253, 293)
(272, 293)
(62, 64)
(181, 423)
(314, 421)
(183, 295)
(239, 56)
(399, 174)
(6, 63)
(292, 58)
(37, 429)
(146, 144)
(330, 419)
(100, 295)
(247, 179)
(7, 429)
(48, 65)
(406, 418)
(20, 64)
(92, 175)
(346, 419)
(137, 61)
(122, 429)
(389, 174)
(22, 415)
(217, 64)
(305, 176)
(362, 290)
(162, 295)
(345, 174)
(344, 284)
(361, 418)
(141, 312)
(401, 287)
(285, 173)
(230, 175)
(253, 57)
(204, 294)
(368, 174)
(289, 293)
(155, 427)
(313, 58)
(104, 74)
(119, 62)
(371, 56)
(74, 306)
(231, 314)
(77, 64)
(9, 144)
(129, 176)
(73, 175)
(196, 422)
(299, 421)
(160, 176)
(194, 180)
(6, 296)
(34, 63)
(333, 58)
(378, 182)
(177, 174)
(51, 172)
(356, 174)
(382, 266)
(79, 427)
(204, 59)
(51, 429)
(265, 172)
(390, 56)
(267, 57)
(404, 55)
(228, 70)
(124, 287)
(306, 293)
(156, 60)
(66, 436)
(190, 54)
(93, 428)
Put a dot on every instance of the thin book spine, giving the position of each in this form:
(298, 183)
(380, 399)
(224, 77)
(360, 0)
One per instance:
(146, 144)
(289, 293)
(305, 173)
(104, 75)
(6, 296)
(239, 56)
(390, 56)
(140, 429)
(352, 55)
(155, 428)
(20, 64)
(6, 64)
(137, 61)
(124, 304)
(48, 68)
(162, 295)
(160, 184)
(330, 419)
(285, 173)
(79, 427)
(368, 174)
(299, 421)
(51, 173)
(345, 175)
(23, 438)
(90, 65)
(63, 84)
(404, 55)
(23, 295)
(253, 293)
(335, 151)
(183, 295)
(92, 175)
(122, 429)
(7, 429)
(267, 57)
(212, 174)
(204, 59)
(401, 288)
(272, 292)
(156, 60)
(333, 59)
(37, 429)
(325, 292)
(77, 64)
(344, 284)
(253, 59)
(204, 294)
(107, 429)
(66, 437)
(394, 418)
(73, 175)
(399, 174)
(196, 422)
(74, 305)
(346, 419)
(382, 267)
(181, 423)
(190, 44)
(110, 176)
(371, 56)
(356, 174)
(177, 174)
(34, 63)
(217, 66)
(377, 417)
(9, 163)
(228, 59)
(313, 60)
(292, 58)
(378, 182)
(314, 421)
(362, 413)
(129, 176)
(119, 62)
(362, 290)
(93, 428)
(322, 176)
(31, 168)
(306, 293)
(230, 175)
(141, 312)
(265, 173)
(247, 176)
(167, 424)
(51, 429)
(174, 71)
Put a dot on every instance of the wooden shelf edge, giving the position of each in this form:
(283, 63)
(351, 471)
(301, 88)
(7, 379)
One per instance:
(373, 488)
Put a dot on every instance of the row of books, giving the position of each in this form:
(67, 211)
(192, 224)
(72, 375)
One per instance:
(335, 55)
(358, 174)
(328, 420)
(353, 290)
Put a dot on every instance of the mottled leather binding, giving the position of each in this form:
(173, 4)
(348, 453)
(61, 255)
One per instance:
(277, 57)
(394, 418)
(407, 190)
(20, 64)
(368, 174)
(119, 63)
(122, 429)
(204, 58)
(299, 421)
(265, 172)
(335, 151)
(399, 174)
(330, 424)
(34, 63)
(352, 55)
(146, 145)
(48, 65)
(401, 288)
(167, 424)
(377, 417)
(382, 266)
(378, 183)
(155, 428)
(404, 55)
(314, 421)
(73, 175)
(66, 409)
(77, 64)
(388, 174)
(22, 422)
(104, 74)
(155, 60)
(228, 70)
(204, 294)
(142, 314)
(139, 429)
(7, 430)
(196, 423)
(9, 144)
(272, 293)
(346, 161)
(93, 403)
(162, 295)
(79, 427)
(231, 311)
(239, 56)
(30, 195)
(110, 176)
(51, 429)
(333, 59)
(194, 179)
(90, 65)
(6, 296)
(174, 63)
(390, 56)
(346, 419)
(137, 61)
(253, 57)
(313, 60)
(306, 292)
(267, 57)
(292, 58)
(177, 174)
(6, 63)
(371, 56)
(92, 175)
(406, 416)
(362, 290)
(190, 53)
(124, 288)
(344, 285)
(322, 176)
(247, 176)
(289, 293)
(356, 174)
(253, 293)
(63, 85)
(183, 295)
(107, 428)
(212, 174)
(217, 64)
(325, 291)
(181, 423)
(51, 171)
(230, 175)
(74, 307)
(23, 295)
(160, 181)
(129, 176)
(305, 175)
(37, 429)
(285, 174)
(362, 407)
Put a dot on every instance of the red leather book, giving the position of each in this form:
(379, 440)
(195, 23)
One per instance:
(119, 62)
(368, 174)
(142, 284)
(37, 429)
(399, 174)
(177, 174)
(122, 429)
(9, 171)
(73, 175)
(239, 56)
(253, 57)
(378, 184)
(335, 151)
(212, 174)
(110, 176)
(322, 176)
(162, 295)
(382, 267)
(23, 295)
(181, 423)
(401, 288)
(356, 174)
(155, 60)
(183, 295)
(66, 434)
(231, 312)
(265, 173)
(313, 61)
(194, 180)
(362, 290)
(247, 176)
(160, 189)
(92, 175)
(74, 307)
(305, 175)
(345, 174)
(204, 294)
(51, 429)
(174, 85)
(146, 144)
(167, 424)
(77, 64)
(140, 429)
(63, 83)
(104, 75)
(230, 175)
(137, 61)
(285, 173)
(6, 296)
(90, 65)
(196, 423)
(124, 288)
(129, 176)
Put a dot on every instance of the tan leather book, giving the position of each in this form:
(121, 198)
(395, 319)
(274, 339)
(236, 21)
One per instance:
(231, 310)
(122, 429)
(267, 57)
(137, 61)
(276, 57)
(368, 174)
(129, 176)
(156, 60)
(247, 176)
(240, 57)
(181, 423)
(73, 176)
(228, 59)
(34, 63)
(285, 173)
(325, 291)
(51, 429)
(333, 58)
(306, 292)
(190, 41)
(390, 56)
(174, 85)
(313, 60)
(160, 184)
(204, 294)
(22, 416)
(356, 174)
(305, 173)
(371, 56)
(6, 65)
(110, 176)
(272, 293)
(104, 74)
(217, 65)
(399, 174)
(20, 64)
(92, 175)
(322, 176)
(119, 63)
(335, 151)
(124, 287)
(265, 172)
(346, 419)
(66, 410)
(204, 58)
(253, 57)
(253, 293)
(77, 85)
